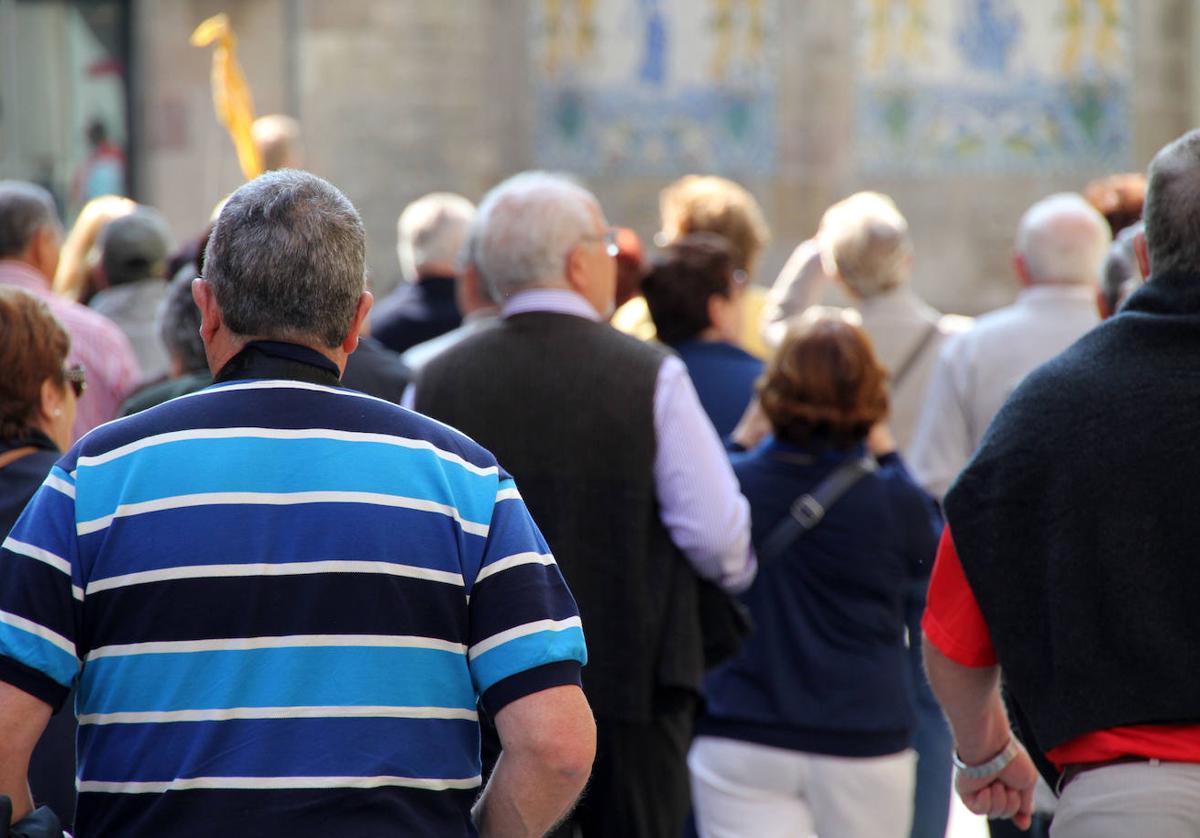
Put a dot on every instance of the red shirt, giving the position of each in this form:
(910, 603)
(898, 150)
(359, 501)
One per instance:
(954, 624)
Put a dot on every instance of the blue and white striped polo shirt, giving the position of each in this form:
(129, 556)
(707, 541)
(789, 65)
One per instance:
(281, 603)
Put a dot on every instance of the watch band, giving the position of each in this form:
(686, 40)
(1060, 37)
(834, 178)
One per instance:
(993, 766)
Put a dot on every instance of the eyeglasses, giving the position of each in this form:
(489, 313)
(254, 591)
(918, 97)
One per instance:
(76, 376)
(610, 241)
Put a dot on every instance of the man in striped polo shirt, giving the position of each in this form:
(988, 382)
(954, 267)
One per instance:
(280, 601)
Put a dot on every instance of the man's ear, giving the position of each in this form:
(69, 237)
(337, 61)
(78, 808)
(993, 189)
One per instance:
(576, 273)
(1142, 250)
(1022, 270)
(210, 313)
(365, 301)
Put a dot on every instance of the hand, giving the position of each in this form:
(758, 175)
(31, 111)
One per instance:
(1008, 794)
(753, 427)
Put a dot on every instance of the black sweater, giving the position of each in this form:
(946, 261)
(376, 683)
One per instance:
(1077, 528)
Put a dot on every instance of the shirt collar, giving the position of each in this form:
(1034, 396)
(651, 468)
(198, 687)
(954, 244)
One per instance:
(1062, 291)
(24, 276)
(275, 359)
(556, 300)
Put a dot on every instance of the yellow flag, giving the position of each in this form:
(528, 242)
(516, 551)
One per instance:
(231, 94)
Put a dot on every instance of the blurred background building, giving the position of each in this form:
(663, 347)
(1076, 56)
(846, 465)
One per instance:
(966, 111)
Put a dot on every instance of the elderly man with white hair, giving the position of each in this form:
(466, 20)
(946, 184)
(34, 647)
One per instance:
(619, 463)
(864, 243)
(1060, 250)
(429, 237)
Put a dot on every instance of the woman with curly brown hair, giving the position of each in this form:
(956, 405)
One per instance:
(37, 406)
(809, 728)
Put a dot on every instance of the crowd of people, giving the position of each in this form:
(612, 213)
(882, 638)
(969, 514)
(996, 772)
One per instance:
(560, 537)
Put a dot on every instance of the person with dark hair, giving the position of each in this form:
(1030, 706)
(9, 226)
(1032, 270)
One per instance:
(38, 393)
(298, 596)
(1066, 571)
(133, 261)
(30, 238)
(1121, 275)
(178, 326)
(694, 293)
(809, 728)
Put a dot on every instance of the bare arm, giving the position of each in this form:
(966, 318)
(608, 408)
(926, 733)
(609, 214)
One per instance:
(970, 697)
(549, 741)
(22, 720)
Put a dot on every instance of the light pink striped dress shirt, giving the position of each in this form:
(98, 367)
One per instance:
(96, 343)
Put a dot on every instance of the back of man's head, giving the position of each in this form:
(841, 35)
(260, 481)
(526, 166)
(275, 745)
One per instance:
(286, 259)
(866, 242)
(25, 208)
(532, 221)
(277, 138)
(135, 247)
(1063, 239)
(430, 234)
(1172, 212)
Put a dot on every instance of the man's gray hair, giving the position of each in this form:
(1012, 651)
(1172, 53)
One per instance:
(25, 208)
(286, 259)
(179, 322)
(1063, 239)
(1121, 270)
(532, 221)
(865, 240)
(431, 230)
(1172, 210)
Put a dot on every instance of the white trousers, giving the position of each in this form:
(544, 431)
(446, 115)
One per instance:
(1141, 799)
(743, 789)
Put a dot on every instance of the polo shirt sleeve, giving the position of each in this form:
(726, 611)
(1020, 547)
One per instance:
(525, 631)
(953, 622)
(40, 594)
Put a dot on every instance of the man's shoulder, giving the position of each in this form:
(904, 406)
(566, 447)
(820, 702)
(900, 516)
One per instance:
(571, 329)
(268, 409)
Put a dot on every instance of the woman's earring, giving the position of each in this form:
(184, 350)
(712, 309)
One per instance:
(58, 411)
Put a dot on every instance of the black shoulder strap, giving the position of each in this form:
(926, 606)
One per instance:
(808, 509)
(909, 362)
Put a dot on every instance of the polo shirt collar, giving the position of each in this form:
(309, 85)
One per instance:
(279, 360)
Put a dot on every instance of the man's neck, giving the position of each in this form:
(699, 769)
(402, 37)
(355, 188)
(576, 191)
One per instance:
(223, 348)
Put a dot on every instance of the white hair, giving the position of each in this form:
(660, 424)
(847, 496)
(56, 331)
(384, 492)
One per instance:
(1063, 239)
(865, 241)
(530, 224)
(431, 231)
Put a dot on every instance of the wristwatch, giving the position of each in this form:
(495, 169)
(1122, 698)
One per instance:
(993, 766)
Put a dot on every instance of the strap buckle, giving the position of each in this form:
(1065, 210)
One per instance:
(807, 511)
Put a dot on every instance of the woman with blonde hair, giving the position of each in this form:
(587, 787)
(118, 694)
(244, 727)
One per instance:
(78, 260)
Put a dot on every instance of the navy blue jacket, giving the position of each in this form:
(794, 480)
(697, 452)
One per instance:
(826, 669)
(724, 376)
(415, 312)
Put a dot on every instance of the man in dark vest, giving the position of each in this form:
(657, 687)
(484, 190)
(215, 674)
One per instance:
(1071, 566)
(616, 458)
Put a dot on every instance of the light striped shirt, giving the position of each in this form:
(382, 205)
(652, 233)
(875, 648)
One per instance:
(96, 343)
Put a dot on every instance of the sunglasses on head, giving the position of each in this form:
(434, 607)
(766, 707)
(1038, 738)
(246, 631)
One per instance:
(76, 376)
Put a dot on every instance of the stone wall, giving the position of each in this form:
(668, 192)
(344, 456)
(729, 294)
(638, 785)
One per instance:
(400, 97)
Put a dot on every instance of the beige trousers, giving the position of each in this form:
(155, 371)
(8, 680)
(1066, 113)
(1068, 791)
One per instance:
(1139, 799)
